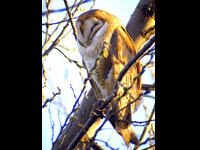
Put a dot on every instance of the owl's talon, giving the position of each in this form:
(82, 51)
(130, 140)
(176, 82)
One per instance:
(102, 115)
(101, 101)
(99, 113)
(96, 111)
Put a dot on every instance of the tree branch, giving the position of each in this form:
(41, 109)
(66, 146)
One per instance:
(81, 115)
(145, 129)
(63, 9)
(141, 25)
(146, 86)
(133, 60)
(96, 146)
(70, 17)
(51, 99)
(58, 39)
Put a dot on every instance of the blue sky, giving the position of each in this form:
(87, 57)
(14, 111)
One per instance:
(62, 73)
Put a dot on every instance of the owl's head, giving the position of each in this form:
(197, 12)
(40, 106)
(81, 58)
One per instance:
(89, 24)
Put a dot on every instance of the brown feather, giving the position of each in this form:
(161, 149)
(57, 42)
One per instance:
(116, 48)
(124, 51)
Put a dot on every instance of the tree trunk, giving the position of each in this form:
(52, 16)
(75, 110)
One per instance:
(141, 26)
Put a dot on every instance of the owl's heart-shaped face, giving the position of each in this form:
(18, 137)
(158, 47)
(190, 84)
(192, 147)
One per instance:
(91, 32)
(87, 29)
(95, 23)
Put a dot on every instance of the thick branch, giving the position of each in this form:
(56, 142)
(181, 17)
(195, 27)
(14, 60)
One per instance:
(74, 125)
(141, 25)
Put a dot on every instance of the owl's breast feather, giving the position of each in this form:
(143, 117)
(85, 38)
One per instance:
(91, 53)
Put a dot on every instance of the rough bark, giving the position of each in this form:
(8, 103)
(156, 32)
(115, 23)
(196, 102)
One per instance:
(74, 125)
(141, 28)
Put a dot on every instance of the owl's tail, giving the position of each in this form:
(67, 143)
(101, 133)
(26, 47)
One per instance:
(129, 136)
(126, 131)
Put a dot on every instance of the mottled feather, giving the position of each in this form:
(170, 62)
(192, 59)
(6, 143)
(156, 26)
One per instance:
(106, 48)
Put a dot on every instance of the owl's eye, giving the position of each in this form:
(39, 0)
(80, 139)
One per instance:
(82, 28)
(94, 26)
(81, 44)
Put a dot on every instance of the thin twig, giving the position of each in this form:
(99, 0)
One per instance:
(150, 147)
(126, 90)
(51, 123)
(148, 139)
(73, 92)
(70, 18)
(58, 39)
(147, 86)
(107, 145)
(63, 9)
(145, 129)
(133, 60)
(47, 26)
(62, 46)
(51, 35)
(51, 99)
(94, 1)
(69, 115)
(70, 60)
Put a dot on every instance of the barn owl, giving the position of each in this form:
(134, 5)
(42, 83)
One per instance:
(106, 47)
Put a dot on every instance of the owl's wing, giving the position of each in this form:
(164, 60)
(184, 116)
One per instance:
(123, 50)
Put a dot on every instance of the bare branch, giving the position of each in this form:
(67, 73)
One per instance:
(148, 139)
(106, 143)
(150, 147)
(70, 17)
(63, 9)
(51, 99)
(70, 60)
(133, 60)
(145, 129)
(58, 39)
(47, 26)
(148, 86)
(96, 146)
(141, 25)
(54, 23)
(80, 117)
